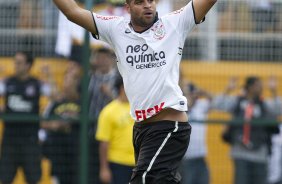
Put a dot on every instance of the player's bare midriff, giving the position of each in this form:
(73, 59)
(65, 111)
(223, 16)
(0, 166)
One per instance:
(169, 114)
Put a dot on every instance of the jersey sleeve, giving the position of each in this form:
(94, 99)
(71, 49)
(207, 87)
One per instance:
(274, 106)
(200, 109)
(184, 19)
(204, 105)
(45, 89)
(105, 27)
(104, 128)
(224, 102)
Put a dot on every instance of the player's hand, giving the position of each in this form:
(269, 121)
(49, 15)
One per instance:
(45, 71)
(232, 84)
(272, 85)
(105, 176)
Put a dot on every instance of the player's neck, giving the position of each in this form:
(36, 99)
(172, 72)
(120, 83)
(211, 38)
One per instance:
(139, 29)
(23, 77)
(122, 98)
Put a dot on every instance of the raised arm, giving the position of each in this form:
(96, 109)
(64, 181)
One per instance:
(77, 14)
(274, 104)
(201, 8)
(224, 101)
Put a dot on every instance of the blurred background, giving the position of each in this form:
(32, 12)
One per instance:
(239, 38)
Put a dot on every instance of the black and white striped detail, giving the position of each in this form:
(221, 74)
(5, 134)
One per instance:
(158, 152)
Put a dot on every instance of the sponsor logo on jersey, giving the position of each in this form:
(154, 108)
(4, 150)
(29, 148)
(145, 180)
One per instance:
(18, 104)
(106, 17)
(141, 57)
(180, 51)
(68, 110)
(147, 113)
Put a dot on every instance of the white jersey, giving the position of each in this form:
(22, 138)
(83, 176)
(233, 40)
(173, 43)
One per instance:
(149, 61)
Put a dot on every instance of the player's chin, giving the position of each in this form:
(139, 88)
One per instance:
(148, 20)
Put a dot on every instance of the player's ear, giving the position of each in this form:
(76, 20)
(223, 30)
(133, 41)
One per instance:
(127, 7)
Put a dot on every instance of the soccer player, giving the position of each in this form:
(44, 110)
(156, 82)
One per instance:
(20, 147)
(148, 50)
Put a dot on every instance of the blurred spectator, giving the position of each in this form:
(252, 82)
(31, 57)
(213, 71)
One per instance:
(164, 7)
(275, 161)
(250, 144)
(100, 94)
(60, 136)
(114, 132)
(194, 168)
(20, 140)
(263, 15)
(101, 81)
(115, 8)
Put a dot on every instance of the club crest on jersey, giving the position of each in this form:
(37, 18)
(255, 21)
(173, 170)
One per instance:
(30, 91)
(159, 30)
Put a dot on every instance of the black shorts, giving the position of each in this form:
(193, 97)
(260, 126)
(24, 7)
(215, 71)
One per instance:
(159, 148)
(20, 148)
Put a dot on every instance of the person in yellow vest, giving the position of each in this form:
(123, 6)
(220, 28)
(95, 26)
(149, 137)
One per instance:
(114, 134)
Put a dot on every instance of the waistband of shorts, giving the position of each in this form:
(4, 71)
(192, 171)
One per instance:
(162, 122)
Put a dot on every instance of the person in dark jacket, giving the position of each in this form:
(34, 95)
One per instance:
(249, 138)
(21, 93)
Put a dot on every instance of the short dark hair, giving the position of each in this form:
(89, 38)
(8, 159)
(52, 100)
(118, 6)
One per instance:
(104, 50)
(250, 81)
(191, 87)
(28, 56)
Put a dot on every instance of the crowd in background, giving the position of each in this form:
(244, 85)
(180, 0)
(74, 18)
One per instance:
(255, 149)
(38, 22)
